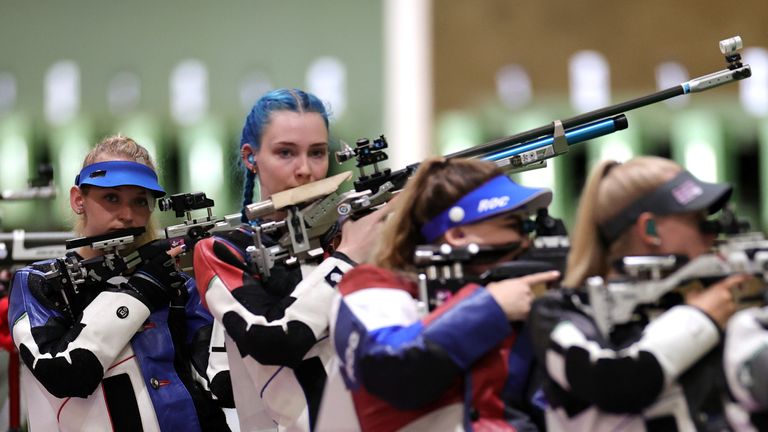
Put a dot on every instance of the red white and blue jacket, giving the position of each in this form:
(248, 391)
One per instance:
(276, 330)
(443, 371)
(117, 366)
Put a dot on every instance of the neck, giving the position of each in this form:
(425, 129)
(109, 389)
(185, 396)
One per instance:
(264, 194)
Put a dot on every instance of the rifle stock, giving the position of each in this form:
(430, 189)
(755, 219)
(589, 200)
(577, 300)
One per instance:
(80, 280)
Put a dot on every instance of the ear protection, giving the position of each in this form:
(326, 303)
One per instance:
(250, 158)
(650, 228)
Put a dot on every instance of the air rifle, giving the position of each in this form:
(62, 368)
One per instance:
(442, 269)
(41, 187)
(19, 248)
(311, 211)
(307, 221)
(530, 149)
(656, 282)
(612, 303)
(80, 280)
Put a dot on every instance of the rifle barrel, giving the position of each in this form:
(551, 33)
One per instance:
(695, 85)
(573, 136)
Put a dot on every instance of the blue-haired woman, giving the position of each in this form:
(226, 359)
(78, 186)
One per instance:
(127, 352)
(277, 327)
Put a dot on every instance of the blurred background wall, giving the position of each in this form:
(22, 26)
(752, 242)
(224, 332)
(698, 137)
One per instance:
(179, 76)
(434, 76)
(501, 67)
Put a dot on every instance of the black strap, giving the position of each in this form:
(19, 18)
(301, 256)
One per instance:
(121, 403)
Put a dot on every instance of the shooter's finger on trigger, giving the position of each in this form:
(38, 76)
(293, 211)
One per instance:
(538, 278)
(177, 250)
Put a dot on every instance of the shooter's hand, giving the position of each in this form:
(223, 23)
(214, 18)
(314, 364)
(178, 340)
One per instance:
(358, 237)
(718, 300)
(514, 296)
(157, 278)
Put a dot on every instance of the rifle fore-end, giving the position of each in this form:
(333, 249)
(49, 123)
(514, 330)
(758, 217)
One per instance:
(612, 303)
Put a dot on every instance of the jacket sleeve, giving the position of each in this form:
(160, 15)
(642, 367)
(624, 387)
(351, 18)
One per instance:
(218, 367)
(69, 358)
(746, 358)
(408, 360)
(205, 338)
(275, 321)
(619, 380)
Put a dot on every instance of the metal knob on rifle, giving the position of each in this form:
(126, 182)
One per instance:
(729, 48)
(184, 202)
(259, 209)
(365, 151)
(731, 45)
(346, 153)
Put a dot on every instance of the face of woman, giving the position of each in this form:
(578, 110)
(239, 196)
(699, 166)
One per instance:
(496, 231)
(681, 234)
(293, 152)
(111, 209)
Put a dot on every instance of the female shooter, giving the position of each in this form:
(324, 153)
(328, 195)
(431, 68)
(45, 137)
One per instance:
(127, 352)
(447, 368)
(663, 374)
(277, 329)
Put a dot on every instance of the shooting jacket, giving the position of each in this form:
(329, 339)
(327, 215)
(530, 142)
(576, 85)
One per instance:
(276, 330)
(443, 371)
(746, 367)
(117, 366)
(665, 374)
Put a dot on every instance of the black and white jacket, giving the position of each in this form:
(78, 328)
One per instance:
(116, 366)
(746, 366)
(665, 374)
(277, 331)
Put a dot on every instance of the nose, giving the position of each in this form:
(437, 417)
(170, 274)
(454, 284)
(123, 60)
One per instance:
(126, 215)
(302, 170)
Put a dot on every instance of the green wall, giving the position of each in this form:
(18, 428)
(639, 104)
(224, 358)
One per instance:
(278, 39)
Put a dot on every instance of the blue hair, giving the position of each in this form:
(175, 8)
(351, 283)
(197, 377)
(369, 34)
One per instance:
(294, 100)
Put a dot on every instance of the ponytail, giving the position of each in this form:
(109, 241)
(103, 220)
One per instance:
(610, 188)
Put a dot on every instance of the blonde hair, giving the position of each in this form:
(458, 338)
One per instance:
(118, 147)
(437, 184)
(609, 189)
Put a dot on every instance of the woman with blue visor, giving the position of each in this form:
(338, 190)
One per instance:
(444, 369)
(127, 348)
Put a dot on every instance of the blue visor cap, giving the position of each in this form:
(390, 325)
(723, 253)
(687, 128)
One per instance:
(120, 173)
(494, 197)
